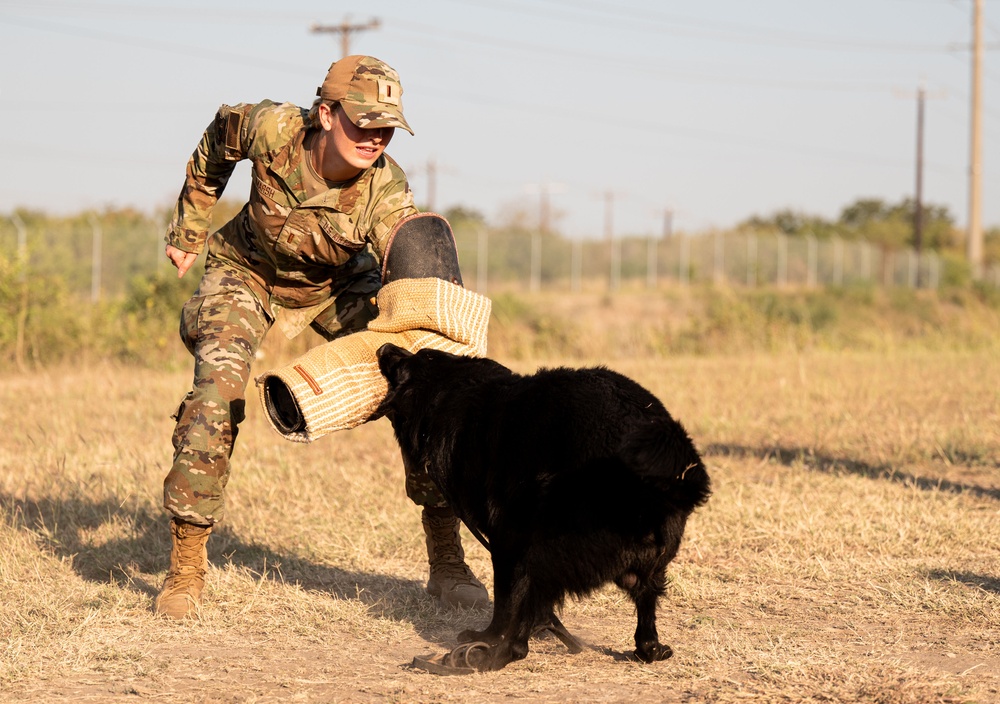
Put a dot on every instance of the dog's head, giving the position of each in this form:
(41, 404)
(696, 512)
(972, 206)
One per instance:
(418, 378)
(389, 357)
(425, 369)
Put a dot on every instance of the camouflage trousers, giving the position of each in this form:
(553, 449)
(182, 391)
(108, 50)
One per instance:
(223, 326)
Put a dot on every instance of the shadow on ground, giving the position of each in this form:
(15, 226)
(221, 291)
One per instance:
(790, 456)
(62, 525)
(980, 581)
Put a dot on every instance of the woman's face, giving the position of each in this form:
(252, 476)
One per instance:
(349, 149)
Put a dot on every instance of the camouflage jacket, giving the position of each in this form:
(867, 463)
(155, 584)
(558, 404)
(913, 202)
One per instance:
(295, 251)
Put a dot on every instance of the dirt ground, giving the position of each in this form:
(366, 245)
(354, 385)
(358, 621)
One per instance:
(930, 667)
(783, 639)
(850, 553)
(926, 667)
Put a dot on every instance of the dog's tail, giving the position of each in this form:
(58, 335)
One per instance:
(664, 457)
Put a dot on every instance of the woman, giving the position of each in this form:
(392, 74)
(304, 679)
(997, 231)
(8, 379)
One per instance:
(304, 251)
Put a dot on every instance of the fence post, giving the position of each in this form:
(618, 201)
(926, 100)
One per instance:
(576, 264)
(156, 259)
(616, 262)
(482, 258)
(536, 261)
(866, 261)
(22, 265)
(651, 262)
(719, 273)
(751, 259)
(782, 259)
(95, 264)
(838, 261)
(683, 259)
(811, 260)
(22, 245)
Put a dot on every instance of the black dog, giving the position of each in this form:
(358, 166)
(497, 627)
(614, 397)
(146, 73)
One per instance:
(573, 477)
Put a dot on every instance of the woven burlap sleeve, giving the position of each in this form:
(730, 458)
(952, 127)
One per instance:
(338, 385)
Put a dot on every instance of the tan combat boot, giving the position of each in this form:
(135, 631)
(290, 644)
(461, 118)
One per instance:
(180, 596)
(451, 580)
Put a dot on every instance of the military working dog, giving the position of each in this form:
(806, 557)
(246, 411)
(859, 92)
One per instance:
(573, 478)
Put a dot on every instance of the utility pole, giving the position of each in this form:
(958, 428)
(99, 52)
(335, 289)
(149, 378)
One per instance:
(544, 222)
(345, 29)
(975, 237)
(431, 169)
(918, 206)
(918, 192)
(431, 183)
(668, 224)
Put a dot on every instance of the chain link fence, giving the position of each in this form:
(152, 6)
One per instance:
(533, 261)
(95, 258)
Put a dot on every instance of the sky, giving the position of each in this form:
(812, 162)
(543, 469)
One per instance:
(616, 111)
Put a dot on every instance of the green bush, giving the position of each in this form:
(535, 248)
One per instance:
(42, 323)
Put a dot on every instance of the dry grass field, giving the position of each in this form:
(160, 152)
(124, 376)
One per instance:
(850, 552)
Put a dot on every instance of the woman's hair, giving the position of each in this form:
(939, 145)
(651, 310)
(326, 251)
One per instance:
(312, 119)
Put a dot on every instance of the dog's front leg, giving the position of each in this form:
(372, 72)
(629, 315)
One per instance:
(502, 576)
(523, 612)
(514, 619)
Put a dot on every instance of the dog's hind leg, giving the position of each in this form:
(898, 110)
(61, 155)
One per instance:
(645, 593)
(553, 625)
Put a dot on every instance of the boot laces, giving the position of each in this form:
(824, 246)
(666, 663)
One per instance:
(190, 545)
(457, 572)
(448, 562)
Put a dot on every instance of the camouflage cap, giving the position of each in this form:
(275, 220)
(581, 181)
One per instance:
(368, 91)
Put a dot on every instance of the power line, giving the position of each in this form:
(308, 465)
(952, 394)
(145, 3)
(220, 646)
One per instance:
(254, 60)
(181, 13)
(721, 30)
(635, 18)
(479, 40)
(244, 59)
(681, 75)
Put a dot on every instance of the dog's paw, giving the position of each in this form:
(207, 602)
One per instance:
(654, 652)
(479, 656)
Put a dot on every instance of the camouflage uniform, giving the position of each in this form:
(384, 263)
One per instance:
(292, 256)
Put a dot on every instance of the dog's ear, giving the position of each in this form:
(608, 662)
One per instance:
(389, 357)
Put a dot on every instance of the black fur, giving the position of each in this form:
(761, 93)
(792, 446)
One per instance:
(576, 477)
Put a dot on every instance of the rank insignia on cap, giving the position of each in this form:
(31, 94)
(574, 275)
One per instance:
(388, 92)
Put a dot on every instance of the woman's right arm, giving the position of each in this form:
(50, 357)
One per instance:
(208, 171)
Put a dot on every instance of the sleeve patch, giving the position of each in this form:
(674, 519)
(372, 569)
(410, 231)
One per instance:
(233, 122)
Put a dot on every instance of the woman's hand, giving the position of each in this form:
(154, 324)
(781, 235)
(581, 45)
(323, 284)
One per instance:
(181, 259)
